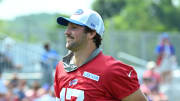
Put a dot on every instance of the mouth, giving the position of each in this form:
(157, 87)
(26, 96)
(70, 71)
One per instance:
(68, 39)
(69, 36)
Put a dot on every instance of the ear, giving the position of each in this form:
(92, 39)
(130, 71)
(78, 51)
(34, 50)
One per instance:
(91, 35)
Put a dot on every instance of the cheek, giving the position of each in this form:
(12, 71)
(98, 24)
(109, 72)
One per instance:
(77, 36)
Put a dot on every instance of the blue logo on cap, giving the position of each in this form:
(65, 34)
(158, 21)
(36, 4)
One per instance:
(78, 12)
(93, 25)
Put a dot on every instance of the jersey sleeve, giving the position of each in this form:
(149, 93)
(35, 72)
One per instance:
(56, 82)
(121, 80)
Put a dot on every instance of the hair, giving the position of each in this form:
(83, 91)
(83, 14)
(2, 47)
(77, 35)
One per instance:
(97, 38)
(47, 46)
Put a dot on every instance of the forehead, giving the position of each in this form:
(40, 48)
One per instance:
(74, 25)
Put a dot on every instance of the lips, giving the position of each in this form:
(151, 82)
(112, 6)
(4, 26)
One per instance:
(69, 37)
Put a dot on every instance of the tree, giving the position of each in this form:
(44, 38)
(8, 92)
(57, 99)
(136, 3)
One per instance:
(168, 14)
(35, 27)
(140, 15)
(108, 8)
(136, 16)
(3, 28)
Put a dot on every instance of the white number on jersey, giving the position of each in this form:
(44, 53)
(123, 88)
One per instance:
(79, 94)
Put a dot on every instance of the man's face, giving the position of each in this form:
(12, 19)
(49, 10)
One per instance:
(76, 38)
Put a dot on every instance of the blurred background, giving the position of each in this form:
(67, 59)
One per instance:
(141, 33)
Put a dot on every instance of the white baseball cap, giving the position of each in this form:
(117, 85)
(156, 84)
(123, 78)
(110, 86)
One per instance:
(85, 17)
(151, 65)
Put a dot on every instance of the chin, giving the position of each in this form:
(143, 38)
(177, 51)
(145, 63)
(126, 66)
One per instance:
(72, 48)
(68, 47)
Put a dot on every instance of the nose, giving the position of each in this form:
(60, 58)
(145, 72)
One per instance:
(67, 31)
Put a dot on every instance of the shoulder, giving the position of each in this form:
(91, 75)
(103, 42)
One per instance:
(118, 70)
(115, 66)
(59, 66)
(123, 78)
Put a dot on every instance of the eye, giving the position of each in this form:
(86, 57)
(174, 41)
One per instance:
(73, 27)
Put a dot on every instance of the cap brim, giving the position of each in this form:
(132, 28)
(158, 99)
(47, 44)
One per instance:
(64, 21)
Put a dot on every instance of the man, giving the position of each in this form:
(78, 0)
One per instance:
(166, 58)
(86, 74)
(49, 60)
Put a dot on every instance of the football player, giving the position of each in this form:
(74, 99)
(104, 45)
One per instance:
(85, 73)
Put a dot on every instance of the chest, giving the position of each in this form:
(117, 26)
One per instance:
(83, 83)
(83, 79)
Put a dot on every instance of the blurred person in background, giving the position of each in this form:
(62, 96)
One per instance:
(16, 89)
(46, 93)
(32, 93)
(7, 56)
(49, 60)
(3, 90)
(166, 59)
(14, 81)
(152, 75)
(20, 91)
(85, 73)
(158, 96)
(151, 83)
(12, 88)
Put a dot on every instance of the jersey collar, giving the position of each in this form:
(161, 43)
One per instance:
(71, 67)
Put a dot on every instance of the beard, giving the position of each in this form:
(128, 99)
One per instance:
(70, 44)
(74, 45)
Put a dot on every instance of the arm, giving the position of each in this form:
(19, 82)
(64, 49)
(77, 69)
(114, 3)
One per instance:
(56, 83)
(136, 96)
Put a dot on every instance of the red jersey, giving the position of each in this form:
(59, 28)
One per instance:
(101, 79)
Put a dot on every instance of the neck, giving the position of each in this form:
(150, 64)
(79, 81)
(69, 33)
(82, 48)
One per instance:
(81, 55)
